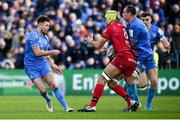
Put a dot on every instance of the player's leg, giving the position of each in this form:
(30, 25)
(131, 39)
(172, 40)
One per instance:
(102, 80)
(106, 76)
(97, 93)
(142, 80)
(99, 88)
(114, 72)
(129, 65)
(59, 95)
(152, 74)
(132, 90)
(131, 104)
(120, 77)
(35, 76)
(131, 86)
(41, 87)
(48, 77)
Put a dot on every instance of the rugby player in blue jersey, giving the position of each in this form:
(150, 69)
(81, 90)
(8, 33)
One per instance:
(38, 64)
(140, 42)
(156, 35)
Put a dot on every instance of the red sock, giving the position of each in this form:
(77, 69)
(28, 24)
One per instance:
(98, 91)
(120, 91)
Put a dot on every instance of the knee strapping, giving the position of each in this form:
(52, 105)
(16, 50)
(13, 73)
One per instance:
(110, 82)
(136, 73)
(106, 76)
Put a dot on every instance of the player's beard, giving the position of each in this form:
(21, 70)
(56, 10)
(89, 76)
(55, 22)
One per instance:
(44, 32)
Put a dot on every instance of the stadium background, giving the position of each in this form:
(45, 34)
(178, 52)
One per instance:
(71, 20)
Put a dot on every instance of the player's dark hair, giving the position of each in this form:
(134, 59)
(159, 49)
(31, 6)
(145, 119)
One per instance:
(43, 18)
(145, 14)
(131, 9)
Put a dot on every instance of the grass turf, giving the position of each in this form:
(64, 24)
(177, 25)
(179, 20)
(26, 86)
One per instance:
(109, 107)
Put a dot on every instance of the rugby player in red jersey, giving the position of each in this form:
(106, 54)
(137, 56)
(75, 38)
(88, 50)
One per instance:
(123, 64)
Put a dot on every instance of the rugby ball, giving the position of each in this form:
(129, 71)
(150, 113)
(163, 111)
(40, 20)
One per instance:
(110, 52)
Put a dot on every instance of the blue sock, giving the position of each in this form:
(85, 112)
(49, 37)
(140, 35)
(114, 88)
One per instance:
(125, 86)
(60, 97)
(151, 94)
(46, 96)
(132, 92)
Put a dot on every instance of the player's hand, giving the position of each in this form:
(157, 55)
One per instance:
(56, 69)
(103, 49)
(89, 39)
(168, 48)
(55, 52)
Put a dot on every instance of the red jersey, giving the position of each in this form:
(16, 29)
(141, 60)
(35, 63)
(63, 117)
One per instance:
(117, 34)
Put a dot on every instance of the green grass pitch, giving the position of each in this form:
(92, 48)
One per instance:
(109, 107)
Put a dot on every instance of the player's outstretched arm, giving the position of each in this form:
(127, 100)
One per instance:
(39, 52)
(96, 44)
(166, 44)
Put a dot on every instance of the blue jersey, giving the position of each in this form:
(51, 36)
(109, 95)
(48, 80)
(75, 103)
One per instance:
(139, 33)
(156, 34)
(34, 38)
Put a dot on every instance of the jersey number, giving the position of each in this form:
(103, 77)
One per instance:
(125, 33)
(126, 37)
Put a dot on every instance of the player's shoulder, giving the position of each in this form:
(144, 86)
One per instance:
(136, 23)
(157, 29)
(33, 34)
(138, 26)
(141, 26)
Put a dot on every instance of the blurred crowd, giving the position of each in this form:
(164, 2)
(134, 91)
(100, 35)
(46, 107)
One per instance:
(71, 21)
